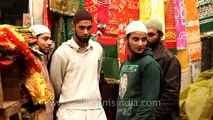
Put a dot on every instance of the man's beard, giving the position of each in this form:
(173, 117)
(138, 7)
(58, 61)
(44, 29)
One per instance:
(84, 40)
(154, 44)
(44, 52)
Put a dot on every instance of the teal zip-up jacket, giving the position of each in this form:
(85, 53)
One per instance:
(139, 88)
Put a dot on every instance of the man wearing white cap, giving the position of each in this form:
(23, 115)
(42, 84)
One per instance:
(170, 84)
(140, 77)
(45, 46)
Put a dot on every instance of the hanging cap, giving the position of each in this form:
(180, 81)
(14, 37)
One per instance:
(136, 26)
(39, 29)
(154, 23)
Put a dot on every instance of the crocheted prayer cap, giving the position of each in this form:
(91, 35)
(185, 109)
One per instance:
(39, 29)
(81, 15)
(154, 23)
(136, 26)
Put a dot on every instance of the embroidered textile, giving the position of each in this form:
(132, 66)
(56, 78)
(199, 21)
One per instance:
(180, 24)
(66, 7)
(170, 35)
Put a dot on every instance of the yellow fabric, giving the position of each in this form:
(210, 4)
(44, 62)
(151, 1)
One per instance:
(152, 9)
(183, 58)
(196, 102)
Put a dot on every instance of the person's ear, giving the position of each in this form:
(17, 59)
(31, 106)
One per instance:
(161, 35)
(73, 26)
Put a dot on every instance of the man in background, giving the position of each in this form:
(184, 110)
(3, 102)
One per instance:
(170, 84)
(45, 46)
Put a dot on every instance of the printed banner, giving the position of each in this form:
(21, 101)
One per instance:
(91, 6)
(122, 23)
(205, 8)
(170, 35)
(103, 8)
(194, 51)
(112, 24)
(180, 25)
(133, 10)
(193, 30)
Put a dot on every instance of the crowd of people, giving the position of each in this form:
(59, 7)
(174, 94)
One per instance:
(149, 78)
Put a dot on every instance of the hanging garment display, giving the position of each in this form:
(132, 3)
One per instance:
(152, 9)
(66, 7)
(180, 24)
(170, 34)
(193, 30)
(205, 10)
(91, 6)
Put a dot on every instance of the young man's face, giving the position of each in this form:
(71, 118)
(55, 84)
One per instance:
(83, 30)
(45, 43)
(137, 42)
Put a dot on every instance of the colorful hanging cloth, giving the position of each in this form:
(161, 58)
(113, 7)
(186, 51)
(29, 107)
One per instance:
(170, 35)
(205, 8)
(123, 20)
(193, 30)
(152, 9)
(91, 6)
(180, 24)
(66, 7)
(48, 16)
(133, 10)
(16, 44)
(62, 30)
(103, 8)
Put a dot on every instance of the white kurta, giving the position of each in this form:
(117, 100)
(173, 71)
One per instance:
(75, 78)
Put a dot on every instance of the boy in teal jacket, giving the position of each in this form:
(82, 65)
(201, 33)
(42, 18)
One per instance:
(140, 77)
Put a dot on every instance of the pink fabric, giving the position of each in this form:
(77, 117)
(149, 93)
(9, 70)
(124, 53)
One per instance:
(180, 26)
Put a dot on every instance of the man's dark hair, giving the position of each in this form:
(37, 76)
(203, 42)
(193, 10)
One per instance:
(82, 15)
(128, 35)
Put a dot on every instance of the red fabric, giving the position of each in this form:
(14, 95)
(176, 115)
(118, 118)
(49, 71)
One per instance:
(133, 10)
(91, 6)
(122, 22)
(170, 33)
(48, 16)
(112, 24)
(31, 62)
(103, 8)
(107, 41)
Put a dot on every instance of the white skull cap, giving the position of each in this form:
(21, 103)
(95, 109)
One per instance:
(39, 29)
(136, 26)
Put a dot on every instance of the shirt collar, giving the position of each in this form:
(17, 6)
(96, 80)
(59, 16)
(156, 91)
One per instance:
(77, 48)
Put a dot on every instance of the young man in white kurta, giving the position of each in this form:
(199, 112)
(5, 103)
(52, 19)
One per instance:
(75, 76)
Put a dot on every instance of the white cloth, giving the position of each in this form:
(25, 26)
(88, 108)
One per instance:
(70, 114)
(75, 75)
